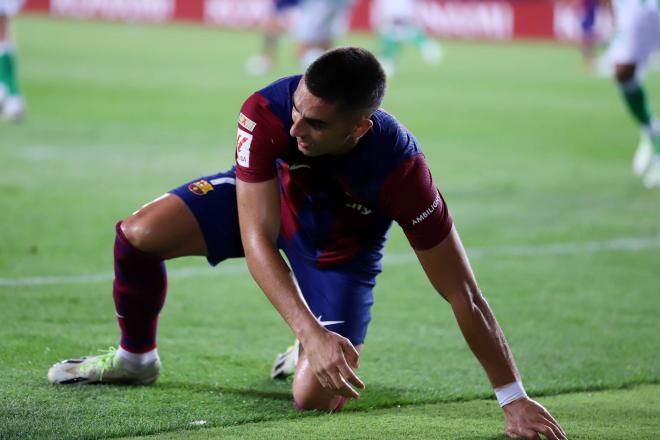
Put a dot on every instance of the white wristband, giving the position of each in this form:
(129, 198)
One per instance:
(508, 393)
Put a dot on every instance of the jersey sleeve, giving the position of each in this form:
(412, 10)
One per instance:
(414, 202)
(260, 140)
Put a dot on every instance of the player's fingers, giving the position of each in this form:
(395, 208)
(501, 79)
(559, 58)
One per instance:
(341, 386)
(350, 376)
(547, 418)
(347, 390)
(351, 354)
(550, 421)
(547, 430)
(555, 424)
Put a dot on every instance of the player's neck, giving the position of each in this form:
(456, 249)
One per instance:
(348, 147)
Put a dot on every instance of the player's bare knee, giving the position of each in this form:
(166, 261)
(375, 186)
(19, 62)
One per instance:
(4, 27)
(306, 400)
(624, 72)
(138, 231)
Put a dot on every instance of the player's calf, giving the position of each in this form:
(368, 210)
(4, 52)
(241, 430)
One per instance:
(164, 228)
(139, 291)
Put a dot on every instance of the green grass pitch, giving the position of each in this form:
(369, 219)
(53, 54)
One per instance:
(531, 152)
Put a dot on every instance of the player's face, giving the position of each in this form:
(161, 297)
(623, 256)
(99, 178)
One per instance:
(323, 128)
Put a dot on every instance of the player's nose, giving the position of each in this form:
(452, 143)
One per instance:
(297, 129)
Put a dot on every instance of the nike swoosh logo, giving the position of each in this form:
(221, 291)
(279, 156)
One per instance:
(327, 323)
(296, 166)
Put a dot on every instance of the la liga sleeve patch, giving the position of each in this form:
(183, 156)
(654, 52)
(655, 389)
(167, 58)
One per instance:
(243, 143)
(260, 140)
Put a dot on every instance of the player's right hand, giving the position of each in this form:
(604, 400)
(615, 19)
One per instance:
(526, 418)
(333, 359)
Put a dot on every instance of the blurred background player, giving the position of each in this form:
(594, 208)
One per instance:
(589, 39)
(317, 25)
(637, 37)
(396, 23)
(12, 104)
(273, 27)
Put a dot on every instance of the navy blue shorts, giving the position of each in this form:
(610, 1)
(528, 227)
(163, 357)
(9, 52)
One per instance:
(590, 8)
(282, 5)
(340, 297)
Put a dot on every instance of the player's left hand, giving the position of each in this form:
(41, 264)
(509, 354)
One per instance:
(525, 418)
(333, 359)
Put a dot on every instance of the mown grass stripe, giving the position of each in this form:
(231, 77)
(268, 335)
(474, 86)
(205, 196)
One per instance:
(628, 244)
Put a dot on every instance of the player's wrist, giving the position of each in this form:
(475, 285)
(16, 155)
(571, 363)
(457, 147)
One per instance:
(308, 330)
(510, 393)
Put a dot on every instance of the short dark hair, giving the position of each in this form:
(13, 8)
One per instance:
(349, 76)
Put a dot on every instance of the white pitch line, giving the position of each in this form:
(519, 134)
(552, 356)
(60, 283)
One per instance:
(588, 247)
(616, 245)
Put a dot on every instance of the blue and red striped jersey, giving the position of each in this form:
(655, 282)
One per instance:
(339, 208)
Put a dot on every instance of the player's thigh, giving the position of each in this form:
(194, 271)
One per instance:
(4, 28)
(341, 300)
(339, 297)
(638, 35)
(197, 218)
(9, 8)
(165, 227)
(212, 202)
(319, 21)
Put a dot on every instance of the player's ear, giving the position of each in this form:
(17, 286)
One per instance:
(364, 124)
